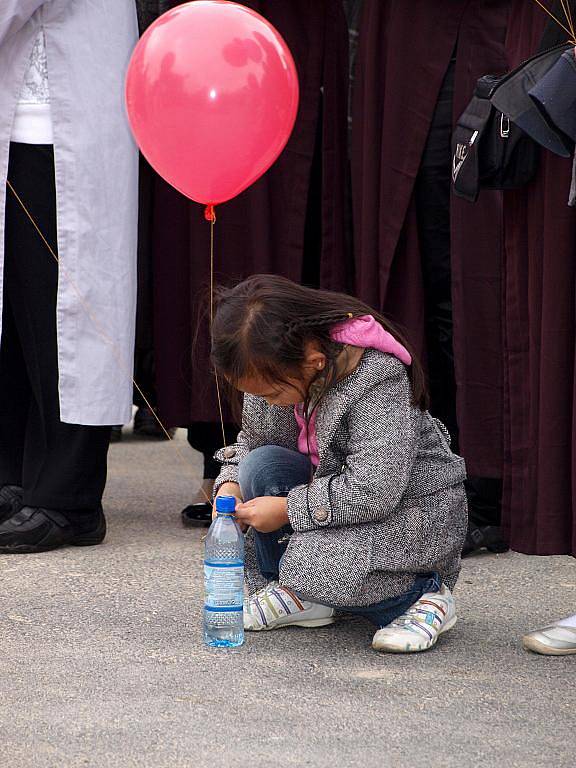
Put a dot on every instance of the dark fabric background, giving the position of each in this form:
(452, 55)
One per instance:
(404, 53)
(513, 285)
(540, 272)
(291, 222)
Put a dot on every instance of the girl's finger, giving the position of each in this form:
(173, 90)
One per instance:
(242, 523)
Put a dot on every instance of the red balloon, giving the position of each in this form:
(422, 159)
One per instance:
(212, 95)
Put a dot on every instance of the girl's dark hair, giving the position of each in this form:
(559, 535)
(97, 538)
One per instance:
(261, 326)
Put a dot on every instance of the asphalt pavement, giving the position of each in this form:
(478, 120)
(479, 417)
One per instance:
(102, 662)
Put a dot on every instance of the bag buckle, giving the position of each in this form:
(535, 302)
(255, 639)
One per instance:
(504, 126)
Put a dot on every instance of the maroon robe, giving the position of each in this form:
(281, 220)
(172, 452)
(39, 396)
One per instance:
(540, 306)
(291, 222)
(405, 49)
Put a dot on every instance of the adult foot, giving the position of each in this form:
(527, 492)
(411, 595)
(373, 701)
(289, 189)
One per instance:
(420, 627)
(34, 529)
(199, 513)
(274, 606)
(10, 501)
(146, 425)
(484, 537)
(557, 639)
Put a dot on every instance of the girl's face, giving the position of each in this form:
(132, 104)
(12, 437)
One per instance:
(291, 390)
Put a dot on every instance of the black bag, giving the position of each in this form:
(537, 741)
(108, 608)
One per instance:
(488, 150)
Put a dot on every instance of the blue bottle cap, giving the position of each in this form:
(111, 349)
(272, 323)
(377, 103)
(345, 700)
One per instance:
(225, 504)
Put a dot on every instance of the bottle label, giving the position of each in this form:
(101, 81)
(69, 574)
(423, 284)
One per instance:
(224, 585)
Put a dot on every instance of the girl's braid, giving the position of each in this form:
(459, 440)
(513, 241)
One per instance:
(335, 316)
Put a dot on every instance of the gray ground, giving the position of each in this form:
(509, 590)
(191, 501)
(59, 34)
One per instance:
(102, 662)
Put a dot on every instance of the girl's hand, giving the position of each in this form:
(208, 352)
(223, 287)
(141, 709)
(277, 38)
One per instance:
(265, 514)
(229, 489)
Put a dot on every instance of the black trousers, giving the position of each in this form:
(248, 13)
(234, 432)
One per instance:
(433, 210)
(207, 438)
(60, 466)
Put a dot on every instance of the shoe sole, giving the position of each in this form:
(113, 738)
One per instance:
(26, 549)
(91, 540)
(305, 623)
(406, 649)
(531, 644)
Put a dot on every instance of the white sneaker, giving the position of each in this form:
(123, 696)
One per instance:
(420, 627)
(275, 606)
(553, 640)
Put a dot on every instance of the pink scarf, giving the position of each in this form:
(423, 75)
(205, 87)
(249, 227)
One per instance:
(364, 332)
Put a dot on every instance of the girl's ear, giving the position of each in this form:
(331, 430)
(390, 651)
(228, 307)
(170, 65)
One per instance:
(314, 358)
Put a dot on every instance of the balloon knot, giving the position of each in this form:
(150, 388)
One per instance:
(210, 213)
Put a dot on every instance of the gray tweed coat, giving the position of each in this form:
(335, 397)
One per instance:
(386, 502)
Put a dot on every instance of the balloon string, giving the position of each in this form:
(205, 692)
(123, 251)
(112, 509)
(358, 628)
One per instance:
(101, 332)
(569, 20)
(210, 214)
(570, 32)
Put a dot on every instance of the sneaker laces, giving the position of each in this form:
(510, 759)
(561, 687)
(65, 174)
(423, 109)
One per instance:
(273, 601)
(418, 616)
(263, 590)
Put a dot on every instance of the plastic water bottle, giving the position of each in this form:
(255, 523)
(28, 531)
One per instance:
(224, 578)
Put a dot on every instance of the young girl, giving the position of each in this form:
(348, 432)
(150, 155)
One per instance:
(351, 496)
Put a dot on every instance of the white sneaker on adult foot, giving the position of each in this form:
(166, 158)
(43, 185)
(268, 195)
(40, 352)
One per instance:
(420, 627)
(274, 606)
(558, 639)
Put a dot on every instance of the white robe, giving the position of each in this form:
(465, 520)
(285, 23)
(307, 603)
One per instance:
(88, 46)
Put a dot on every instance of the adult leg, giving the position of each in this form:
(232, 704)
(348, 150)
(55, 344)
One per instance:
(14, 401)
(14, 406)
(64, 465)
(433, 209)
(433, 206)
(207, 438)
(484, 504)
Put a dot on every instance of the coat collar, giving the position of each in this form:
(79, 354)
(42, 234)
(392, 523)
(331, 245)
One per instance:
(373, 367)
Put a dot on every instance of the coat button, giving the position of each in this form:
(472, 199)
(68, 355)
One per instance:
(321, 514)
(229, 453)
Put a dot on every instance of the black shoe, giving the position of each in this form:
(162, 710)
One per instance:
(34, 529)
(197, 515)
(10, 501)
(146, 425)
(486, 536)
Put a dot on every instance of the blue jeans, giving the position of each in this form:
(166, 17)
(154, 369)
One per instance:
(274, 471)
